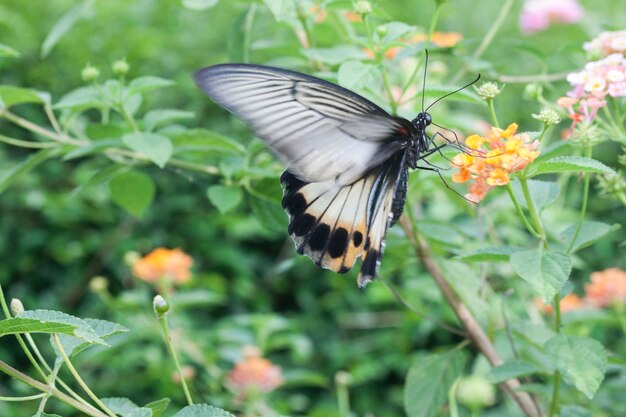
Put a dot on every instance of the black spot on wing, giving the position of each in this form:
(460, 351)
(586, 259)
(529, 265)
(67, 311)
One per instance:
(319, 237)
(338, 243)
(291, 182)
(369, 267)
(302, 224)
(295, 204)
(357, 238)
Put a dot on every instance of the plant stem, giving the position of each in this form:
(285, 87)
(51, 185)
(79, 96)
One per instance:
(492, 112)
(28, 125)
(520, 212)
(556, 385)
(27, 398)
(379, 58)
(27, 143)
(343, 398)
(14, 373)
(78, 378)
(170, 347)
(583, 208)
(530, 203)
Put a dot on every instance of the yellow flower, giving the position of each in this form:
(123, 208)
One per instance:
(498, 177)
(172, 265)
(474, 141)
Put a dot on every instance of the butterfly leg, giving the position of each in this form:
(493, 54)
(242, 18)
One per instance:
(431, 168)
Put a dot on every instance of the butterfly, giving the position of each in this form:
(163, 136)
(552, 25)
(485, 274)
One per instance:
(347, 159)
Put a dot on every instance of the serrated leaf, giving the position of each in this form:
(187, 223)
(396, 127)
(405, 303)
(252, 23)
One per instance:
(147, 83)
(11, 96)
(160, 117)
(281, 9)
(158, 406)
(356, 75)
(120, 405)
(102, 328)
(25, 166)
(17, 325)
(82, 329)
(581, 360)
(80, 99)
(199, 4)
(64, 24)
(544, 270)
(202, 410)
(543, 193)
(133, 191)
(104, 175)
(155, 147)
(335, 55)
(428, 382)
(495, 254)
(590, 233)
(512, 369)
(205, 140)
(569, 164)
(140, 412)
(8, 52)
(224, 197)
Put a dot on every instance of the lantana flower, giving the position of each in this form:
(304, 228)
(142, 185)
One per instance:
(571, 302)
(599, 78)
(439, 39)
(607, 43)
(586, 111)
(606, 288)
(254, 374)
(492, 159)
(537, 15)
(172, 266)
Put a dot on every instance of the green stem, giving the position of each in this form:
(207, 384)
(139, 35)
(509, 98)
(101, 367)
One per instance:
(28, 125)
(343, 399)
(520, 212)
(530, 203)
(170, 347)
(492, 112)
(78, 378)
(379, 58)
(556, 384)
(27, 398)
(583, 208)
(15, 374)
(27, 143)
(247, 33)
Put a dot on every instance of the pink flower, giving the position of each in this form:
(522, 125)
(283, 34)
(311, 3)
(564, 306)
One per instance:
(599, 78)
(538, 14)
(587, 111)
(607, 43)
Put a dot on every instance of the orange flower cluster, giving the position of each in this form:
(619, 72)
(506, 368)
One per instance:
(254, 374)
(164, 264)
(501, 153)
(607, 287)
(440, 39)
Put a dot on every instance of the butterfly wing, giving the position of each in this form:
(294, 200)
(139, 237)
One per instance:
(322, 131)
(334, 225)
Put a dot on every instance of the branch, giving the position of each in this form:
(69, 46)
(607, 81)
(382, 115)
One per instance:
(475, 332)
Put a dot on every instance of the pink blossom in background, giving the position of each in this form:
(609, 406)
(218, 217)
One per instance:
(538, 14)
(599, 78)
(607, 43)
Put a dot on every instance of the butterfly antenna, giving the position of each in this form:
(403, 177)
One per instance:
(453, 92)
(424, 79)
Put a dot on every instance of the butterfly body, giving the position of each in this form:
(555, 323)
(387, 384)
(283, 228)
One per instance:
(347, 159)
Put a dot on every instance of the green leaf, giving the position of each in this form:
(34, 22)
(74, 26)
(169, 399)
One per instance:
(25, 166)
(82, 329)
(441, 233)
(80, 99)
(103, 175)
(148, 83)
(42, 414)
(199, 4)
(8, 52)
(158, 406)
(91, 148)
(581, 360)
(495, 254)
(102, 328)
(64, 24)
(428, 382)
(543, 193)
(544, 270)
(140, 412)
(269, 214)
(224, 197)
(11, 96)
(590, 233)
(574, 411)
(17, 325)
(281, 9)
(356, 75)
(395, 30)
(202, 410)
(133, 191)
(205, 140)
(160, 117)
(335, 55)
(155, 147)
(120, 405)
(569, 164)
(510, 370)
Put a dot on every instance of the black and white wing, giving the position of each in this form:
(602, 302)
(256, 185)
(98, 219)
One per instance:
(320, 130)
(334, 225)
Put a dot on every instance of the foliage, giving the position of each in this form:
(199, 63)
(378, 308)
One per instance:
(104, 159)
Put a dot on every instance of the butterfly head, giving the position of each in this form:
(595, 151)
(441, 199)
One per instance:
(422, 121)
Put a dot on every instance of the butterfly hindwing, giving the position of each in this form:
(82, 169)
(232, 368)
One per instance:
(321, 131)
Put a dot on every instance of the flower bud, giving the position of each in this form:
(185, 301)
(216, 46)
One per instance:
(476, 392)
(343, 378)
(585, 135)
(90, 73)
(131, 257)
(161, 307)
(16, 307)
(548, 117)
(363, 7)
(120, 68)
(382, 30)
(612, 185)
(533, 92)
(98, 284)
(488, 90)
